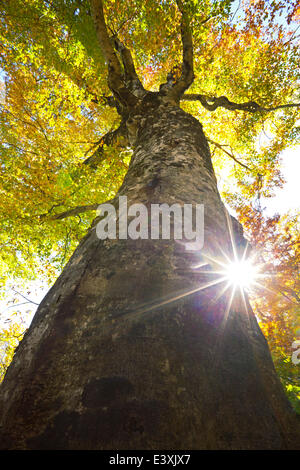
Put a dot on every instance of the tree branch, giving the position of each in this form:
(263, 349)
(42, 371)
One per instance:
(131, 77)
(115, 78)
(187, 76)
(28, 300)
(221, 147)
(212, 103)
(74, 211)
(110, 138)
(107, 101)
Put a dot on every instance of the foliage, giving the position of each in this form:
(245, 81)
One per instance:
(9, 340)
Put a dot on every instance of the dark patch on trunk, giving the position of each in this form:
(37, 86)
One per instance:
(125, 425)
(105, 391)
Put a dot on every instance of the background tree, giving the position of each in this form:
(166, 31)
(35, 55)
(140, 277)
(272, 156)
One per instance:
(68, 131)
(276, 297)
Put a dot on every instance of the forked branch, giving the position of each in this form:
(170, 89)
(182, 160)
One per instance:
(115, 76)
(131, 77)
(187, 76)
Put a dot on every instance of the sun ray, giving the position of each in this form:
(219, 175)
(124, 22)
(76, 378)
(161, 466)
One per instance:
(180, 296)
(200, 265)
(226, 256)
(229, 223)
(225, 288)
(226, 314)
(245, 305)
(214, 260)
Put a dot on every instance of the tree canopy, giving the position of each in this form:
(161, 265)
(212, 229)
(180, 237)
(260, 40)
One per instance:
(63, 146)
(56, 106)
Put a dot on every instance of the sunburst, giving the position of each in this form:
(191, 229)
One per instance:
(235, 273)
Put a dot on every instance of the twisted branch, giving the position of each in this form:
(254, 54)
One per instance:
(212, 103)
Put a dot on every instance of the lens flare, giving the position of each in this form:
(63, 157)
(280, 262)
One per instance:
(241, 273)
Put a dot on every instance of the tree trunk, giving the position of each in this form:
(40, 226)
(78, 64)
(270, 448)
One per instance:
(120, 356)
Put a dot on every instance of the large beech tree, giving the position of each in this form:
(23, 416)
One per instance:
(138, 345)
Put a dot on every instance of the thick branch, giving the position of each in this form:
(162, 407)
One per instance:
(115, 78)
(187, 74)
(175, 88)
(131, 77)
(212, 103)
(111, 138)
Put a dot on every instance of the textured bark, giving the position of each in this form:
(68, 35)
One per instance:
(110, 363)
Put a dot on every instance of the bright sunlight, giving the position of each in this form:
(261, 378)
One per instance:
(241, 273)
